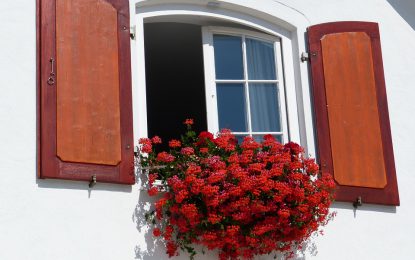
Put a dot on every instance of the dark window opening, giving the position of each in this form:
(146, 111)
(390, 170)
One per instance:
(175, 83)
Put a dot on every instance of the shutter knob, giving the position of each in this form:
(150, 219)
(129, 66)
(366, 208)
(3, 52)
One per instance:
(51, 81)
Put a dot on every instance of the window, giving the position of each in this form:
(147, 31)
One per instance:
(244, 83)
(236, 83)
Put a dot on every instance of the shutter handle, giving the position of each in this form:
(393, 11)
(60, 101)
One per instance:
(51, 79)
(52, 65)
(305, 56)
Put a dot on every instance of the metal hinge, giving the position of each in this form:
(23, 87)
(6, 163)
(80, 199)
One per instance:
(305, 56)
(132, 32)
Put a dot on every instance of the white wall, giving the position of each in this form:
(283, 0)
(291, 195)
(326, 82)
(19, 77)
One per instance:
(49, 219)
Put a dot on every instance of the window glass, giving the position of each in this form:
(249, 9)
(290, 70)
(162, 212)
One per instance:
(265, 110)
(228, 57)
(247, 86)
(260, 60)
(240, 138)
(260, 138)
(231, 107)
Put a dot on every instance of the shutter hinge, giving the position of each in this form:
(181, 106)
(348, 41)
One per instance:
(305, 56)
(132, 32)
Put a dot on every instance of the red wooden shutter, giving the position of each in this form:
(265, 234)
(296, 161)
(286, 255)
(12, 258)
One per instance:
(351, 112)
(85, 90)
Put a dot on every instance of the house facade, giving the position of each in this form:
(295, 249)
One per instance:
(272, 62)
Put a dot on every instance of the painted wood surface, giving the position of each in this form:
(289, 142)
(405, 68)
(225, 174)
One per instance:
(351, 112)
(356, 141)
(85, 94)
(88, 108)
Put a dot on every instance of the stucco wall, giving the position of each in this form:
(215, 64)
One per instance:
(52, 219)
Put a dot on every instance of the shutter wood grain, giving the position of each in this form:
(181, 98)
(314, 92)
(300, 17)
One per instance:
(88, 108)
(85, 116)
(351, 115)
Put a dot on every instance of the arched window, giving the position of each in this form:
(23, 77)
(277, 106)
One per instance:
(227, 76)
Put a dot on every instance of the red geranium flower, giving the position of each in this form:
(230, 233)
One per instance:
(243, 200)
(165, 157)
(204, 137)
(175, 143)
(156, 140)
(188, 122)
(156, 232)
(153, 191)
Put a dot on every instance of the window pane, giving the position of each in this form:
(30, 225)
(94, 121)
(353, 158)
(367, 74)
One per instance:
(260, 138)
(265, 108)
(260, 59)
(231, 107)
(228, 57)
(240, 138)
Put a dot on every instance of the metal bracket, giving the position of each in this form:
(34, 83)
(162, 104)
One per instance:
(93, 181)
(305, 56)
(136, 151)
(132, 32)
(358, 202)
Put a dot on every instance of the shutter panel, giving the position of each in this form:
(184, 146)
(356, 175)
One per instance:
(351, 113)
(85, 91)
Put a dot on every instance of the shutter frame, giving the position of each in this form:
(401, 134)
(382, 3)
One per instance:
(49, 164)
(389, 194)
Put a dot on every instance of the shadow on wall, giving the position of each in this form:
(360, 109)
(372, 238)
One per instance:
(150, 248)
(406, 9)
(81, 185)
(364, 207)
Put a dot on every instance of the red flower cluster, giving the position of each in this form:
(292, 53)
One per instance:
(188, 122)
(244, 199)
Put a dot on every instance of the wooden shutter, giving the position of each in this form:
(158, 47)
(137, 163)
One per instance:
(85, 90)
(351, 112)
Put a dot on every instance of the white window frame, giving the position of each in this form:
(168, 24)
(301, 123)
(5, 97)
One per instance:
(299, 115)
(211, 81)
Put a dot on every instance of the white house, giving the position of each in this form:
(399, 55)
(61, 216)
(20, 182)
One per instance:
(82, 80)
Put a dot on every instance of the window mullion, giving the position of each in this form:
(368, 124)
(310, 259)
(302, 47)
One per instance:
(248, 104)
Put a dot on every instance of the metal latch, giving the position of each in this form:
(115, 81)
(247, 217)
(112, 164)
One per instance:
(305, 56)
(358, 202)
(93, 181)
(132, 32)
